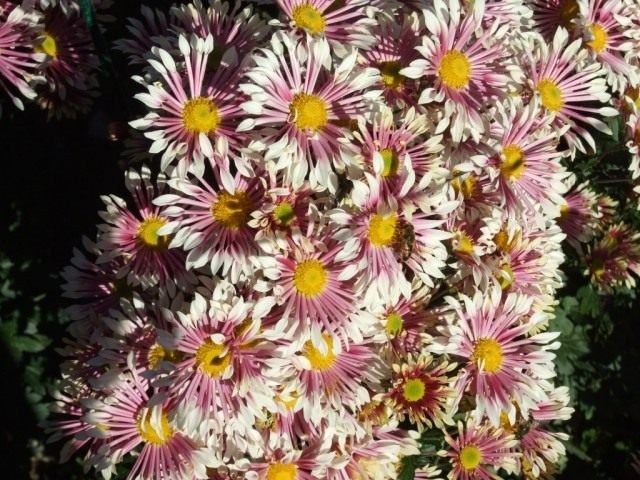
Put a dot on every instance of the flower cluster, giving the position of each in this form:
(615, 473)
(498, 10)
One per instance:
(346, 237)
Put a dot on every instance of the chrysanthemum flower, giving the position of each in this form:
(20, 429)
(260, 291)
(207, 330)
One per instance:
(504, 365)
(315, 287)
(18, 60)
(193, 114)
(541, 450)
(550, 15)
(146, 33)
(70, 69)
(422, 392)
(609, 33)
(563, 88)
(95, 288)
(633, 143)
(527, 172)
(307, 464)
(578, 215)
(212, 224)
(133, 235)
(231, 27)
(128, 418)
(345, 23)
(304, 99)
(223, 354)
(478, 451)
(465, 71)
(394, 49)
(396, 154)
(613, 259)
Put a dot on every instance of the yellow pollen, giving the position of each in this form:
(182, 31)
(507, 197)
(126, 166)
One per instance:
(466, 186)
(316, 358)
(390, 162)
(232, 210)
(413, 390)
(564, 210)
(309, 111)
(382, 230)
(513, 164)
(149, 433)
(501, 239)
(464, 244)
(288, 404)
(48, 46)
(309, 18)
(390, 73)
(488, 352)
(600, 38)
(505, 280)
(211, 360)
(148, 233)
(550, 95)
(394, 325)
(567, 11)
(470, 457)
(282, 471)
(310, 278)
(157, 353)
(284, 213)
(455, 70)
(200, 115)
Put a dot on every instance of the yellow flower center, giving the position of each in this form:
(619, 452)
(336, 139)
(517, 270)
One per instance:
(382, 230)
(567, 11)
(501, 239)
(212, 358)
(157, 353)
(488, 352)
(310, 278)
(505, 279)
(48, 46)
(455, 70)
(232, 210)
(464, 243)
(200, 115)
(309, 111)
(470, 457)
(288, 404)
(394, 325)
(466, 186)
(513, 165)
(282, 471)
(600, 38)
(317, 359)
(390, 162)
(309, 18)
(413, 390)
(390, 73)
(550, 94)
(148, 233)
(284, 213)
(155, 434)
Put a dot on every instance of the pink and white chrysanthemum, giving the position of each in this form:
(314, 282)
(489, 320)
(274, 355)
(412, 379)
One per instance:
(421, 392)
(299, 101)
(71, 66)
(633, 143)
(553, 74)
(578, 215)
(332, 373)
(550, 15)
(541, 448)
(394, 49)
(194, 113)
(504, 364)
(347, 23)
(95, 288)
(610, 35)
(223, 355)
(526, 167)
(396, 154)
(212, 224)
(230, 26)
(307, 464)
(18, 60)
(464, 70)
(133, 235)
(478, 451)
(315, 287)
(127, 418)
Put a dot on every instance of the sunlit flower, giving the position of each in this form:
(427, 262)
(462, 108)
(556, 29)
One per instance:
(299, 100)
